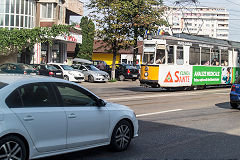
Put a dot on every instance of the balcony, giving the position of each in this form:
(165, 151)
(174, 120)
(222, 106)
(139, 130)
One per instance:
(74, 7)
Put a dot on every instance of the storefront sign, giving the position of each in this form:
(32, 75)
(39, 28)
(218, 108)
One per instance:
(206, 75)
(76, 38)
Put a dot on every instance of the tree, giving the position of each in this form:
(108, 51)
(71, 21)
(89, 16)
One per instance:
(140, 16)
(88, 32)
(110, 24)
(14, 41)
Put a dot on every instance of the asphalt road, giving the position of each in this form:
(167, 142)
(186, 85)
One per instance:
(195, 124)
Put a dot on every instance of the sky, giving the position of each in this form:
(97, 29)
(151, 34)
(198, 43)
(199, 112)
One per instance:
(232, 7)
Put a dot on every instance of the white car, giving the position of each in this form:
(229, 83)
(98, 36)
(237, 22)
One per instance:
(43, 116)
(69, 73)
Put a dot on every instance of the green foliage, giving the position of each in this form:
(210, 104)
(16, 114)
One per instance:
(14, 41)
(112, 80)
(88, 32)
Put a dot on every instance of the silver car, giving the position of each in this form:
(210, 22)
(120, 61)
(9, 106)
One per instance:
(91, 73)
(43, 116)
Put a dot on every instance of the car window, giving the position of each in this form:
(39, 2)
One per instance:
(82, 68)
(3, 84)
(14, 100)
(25, 66)
(66, 67)
(51, 67)
(75, 96)
(92, 68)
(12, 67)
(57, 66)
(37, 95)
(3, 67)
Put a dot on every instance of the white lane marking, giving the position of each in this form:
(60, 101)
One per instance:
(165, 95)
(154, 113)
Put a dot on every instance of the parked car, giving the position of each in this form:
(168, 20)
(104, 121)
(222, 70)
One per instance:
(69, 73)
(91, 73)
(48, 116)
(125, 71)
(18, 68)
(235, 94)
(49, 70)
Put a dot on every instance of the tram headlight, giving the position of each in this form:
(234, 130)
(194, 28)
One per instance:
(146, 68)
(146, 74)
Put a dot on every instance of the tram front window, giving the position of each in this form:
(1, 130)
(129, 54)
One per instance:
(148, 58)
(160, 56)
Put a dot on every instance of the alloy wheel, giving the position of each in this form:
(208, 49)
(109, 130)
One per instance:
(123, 136)
(11, 151)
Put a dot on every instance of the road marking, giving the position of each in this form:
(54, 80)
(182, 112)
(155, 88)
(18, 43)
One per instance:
(154, 113)
(165, 95)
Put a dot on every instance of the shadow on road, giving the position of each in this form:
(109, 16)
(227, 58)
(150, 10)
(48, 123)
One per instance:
(163, 141)
(225, 105)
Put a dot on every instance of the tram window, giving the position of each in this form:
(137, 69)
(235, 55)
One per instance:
(194, 56)
(148, 58)
(215, 56)
(170, 55)
(224, 57)
(205, 56)
(160, 56)
(180, 56)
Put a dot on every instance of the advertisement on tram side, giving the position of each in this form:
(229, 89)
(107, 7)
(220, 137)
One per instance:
(236, 73)
(204, 75)
(172, 76)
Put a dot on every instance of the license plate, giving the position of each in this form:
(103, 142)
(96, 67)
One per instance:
(58, 73)
(33, 74)
(134, 75)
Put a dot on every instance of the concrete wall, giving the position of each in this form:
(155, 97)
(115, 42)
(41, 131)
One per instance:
(12, 58)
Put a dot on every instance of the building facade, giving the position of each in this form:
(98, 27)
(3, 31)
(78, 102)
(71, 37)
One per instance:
(27, 14)
(202, 21)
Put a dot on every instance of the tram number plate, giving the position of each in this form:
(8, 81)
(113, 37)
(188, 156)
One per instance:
(134, 75)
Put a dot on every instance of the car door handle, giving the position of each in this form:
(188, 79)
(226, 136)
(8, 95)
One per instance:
(72, 115)
(28, 118)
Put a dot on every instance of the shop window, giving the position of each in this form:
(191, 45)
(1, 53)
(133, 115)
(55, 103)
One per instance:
(17, 6)
(1, 19)
(205, 56)
(7, 20)
(160, 56)
(180, 56)
(194, 56)
(215, 57)
(12, 6)
(170, 55)
(224, 57)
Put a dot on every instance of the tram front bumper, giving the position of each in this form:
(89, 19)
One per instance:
(149, 83)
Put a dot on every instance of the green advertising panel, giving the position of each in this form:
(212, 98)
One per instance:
(236, 73)
(206, 75)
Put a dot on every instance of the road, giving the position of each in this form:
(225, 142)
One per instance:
(195, 124)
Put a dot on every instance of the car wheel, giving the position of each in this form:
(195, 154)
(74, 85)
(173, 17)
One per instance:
(234, 105)
(11, 148)
(90, 78)
(66, 78)
(121, 136)
(121, 78)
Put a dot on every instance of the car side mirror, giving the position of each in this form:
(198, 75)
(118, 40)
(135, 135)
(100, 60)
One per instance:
(101, 103)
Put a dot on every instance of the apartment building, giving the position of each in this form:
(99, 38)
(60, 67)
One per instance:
(203, 21)
(42, 13)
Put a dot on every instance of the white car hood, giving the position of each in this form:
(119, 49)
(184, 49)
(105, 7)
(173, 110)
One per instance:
(76, 73)
(115, 106)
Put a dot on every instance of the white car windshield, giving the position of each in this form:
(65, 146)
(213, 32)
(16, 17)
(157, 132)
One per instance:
(66, 67)
(92, 68)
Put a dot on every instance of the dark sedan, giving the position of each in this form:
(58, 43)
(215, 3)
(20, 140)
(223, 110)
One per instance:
(49, 70)
(125, 71)
(18, 68)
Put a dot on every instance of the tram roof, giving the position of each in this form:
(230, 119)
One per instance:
(202, 39)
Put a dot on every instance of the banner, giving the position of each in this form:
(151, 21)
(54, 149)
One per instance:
(206, 75)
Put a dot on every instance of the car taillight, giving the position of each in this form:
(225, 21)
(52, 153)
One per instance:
(25, 72)
(128, 71)
(51, 73)
(233, 88)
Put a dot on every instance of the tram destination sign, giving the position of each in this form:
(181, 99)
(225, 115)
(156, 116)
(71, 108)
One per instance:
(206, 75)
